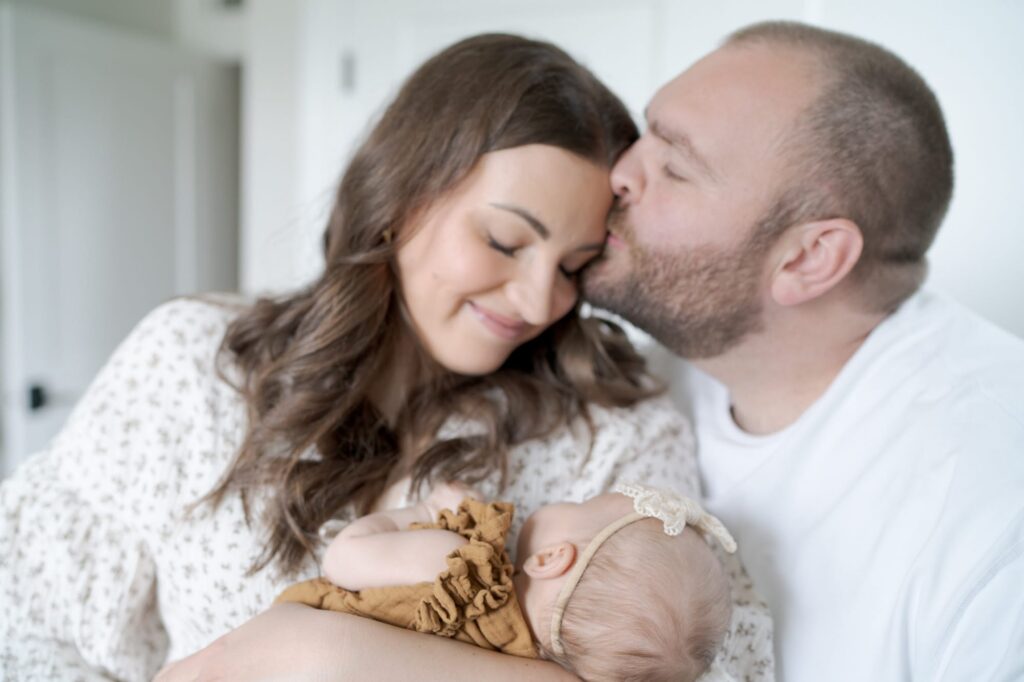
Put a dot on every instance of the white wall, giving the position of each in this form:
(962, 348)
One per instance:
(147, 17)
(135, 117)
(302, 124)
(271, 144)
(152, 17)
(210, 26)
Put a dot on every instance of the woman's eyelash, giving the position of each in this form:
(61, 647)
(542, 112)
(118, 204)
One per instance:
(499, 247)
(511, 251)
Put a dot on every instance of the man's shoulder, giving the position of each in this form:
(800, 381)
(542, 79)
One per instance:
(964, 341)
(948, 354)
(964, 573)
(964, 423)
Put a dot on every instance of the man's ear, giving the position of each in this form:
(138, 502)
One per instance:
(551, 561)
(813, 258)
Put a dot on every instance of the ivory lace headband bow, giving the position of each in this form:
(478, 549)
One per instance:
(674, 511)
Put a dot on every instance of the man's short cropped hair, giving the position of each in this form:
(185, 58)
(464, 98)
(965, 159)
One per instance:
(872, 148)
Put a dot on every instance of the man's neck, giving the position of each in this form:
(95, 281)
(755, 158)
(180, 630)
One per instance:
(773, 378)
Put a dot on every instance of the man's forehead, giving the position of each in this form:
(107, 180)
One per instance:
(748, 71)
(756, 89)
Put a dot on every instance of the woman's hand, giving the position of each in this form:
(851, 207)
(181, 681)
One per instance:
(282, 643)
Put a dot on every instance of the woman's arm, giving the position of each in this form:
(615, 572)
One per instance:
(78, 521)
(65, 610)
(292, 641)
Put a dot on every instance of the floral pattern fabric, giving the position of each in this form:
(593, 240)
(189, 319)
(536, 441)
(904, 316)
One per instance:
(103, 574)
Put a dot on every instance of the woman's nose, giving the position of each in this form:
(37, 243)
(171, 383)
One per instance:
(537, 296)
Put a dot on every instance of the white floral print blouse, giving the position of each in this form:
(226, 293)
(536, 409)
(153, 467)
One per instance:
(103, 576)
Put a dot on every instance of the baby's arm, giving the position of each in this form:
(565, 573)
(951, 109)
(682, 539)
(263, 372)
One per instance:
(379, 550)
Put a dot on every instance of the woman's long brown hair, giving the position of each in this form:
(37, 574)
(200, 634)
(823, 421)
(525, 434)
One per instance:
(307, 361)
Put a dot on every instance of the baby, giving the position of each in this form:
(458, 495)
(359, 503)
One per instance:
(622, 586)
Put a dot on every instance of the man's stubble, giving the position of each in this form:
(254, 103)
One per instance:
(698, 302)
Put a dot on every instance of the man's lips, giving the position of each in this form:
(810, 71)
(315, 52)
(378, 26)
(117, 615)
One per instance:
(614, 241)
(504, 327)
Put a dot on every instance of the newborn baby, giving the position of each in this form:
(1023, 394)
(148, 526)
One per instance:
(622, 586)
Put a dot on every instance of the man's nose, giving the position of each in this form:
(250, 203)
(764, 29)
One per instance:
(627, 175)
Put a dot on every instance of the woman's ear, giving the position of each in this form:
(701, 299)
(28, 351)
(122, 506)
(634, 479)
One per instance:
(551, 562)
(813, 258)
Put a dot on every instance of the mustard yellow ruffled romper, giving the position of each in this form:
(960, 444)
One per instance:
(473, 601)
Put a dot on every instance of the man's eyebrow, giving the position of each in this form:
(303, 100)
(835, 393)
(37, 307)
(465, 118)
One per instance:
(531, 219)
(682, 143)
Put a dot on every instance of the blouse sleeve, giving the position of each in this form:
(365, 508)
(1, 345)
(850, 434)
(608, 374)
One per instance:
(77, 585)
(79, 521)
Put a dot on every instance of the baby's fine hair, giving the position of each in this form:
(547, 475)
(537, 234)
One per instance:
(649, 607)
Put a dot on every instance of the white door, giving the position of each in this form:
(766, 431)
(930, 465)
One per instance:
(118, 190)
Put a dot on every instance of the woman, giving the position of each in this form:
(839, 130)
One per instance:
(442, 342)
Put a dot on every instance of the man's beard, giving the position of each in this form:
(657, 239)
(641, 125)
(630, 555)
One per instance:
(697, 302)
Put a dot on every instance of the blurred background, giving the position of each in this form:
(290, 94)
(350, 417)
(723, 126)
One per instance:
(151, 148)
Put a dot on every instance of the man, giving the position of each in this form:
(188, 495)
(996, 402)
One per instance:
(862, 439)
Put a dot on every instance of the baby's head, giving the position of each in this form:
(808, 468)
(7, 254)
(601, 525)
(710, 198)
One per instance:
(647, 605)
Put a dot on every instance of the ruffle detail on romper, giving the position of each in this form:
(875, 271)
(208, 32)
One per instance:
(478, 580)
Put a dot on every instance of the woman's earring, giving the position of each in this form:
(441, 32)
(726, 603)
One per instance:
(387, 236)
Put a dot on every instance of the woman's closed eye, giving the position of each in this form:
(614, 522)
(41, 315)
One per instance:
(571, 272)
(501, 248)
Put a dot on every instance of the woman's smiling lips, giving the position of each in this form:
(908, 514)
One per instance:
(503, 327)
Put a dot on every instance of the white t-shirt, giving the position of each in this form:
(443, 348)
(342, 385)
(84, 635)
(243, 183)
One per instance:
(885, 526)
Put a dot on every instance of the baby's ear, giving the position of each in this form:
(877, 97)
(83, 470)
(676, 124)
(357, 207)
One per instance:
(551, 562)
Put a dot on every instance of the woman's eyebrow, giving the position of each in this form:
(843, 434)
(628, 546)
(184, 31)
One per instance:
(531, 219)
